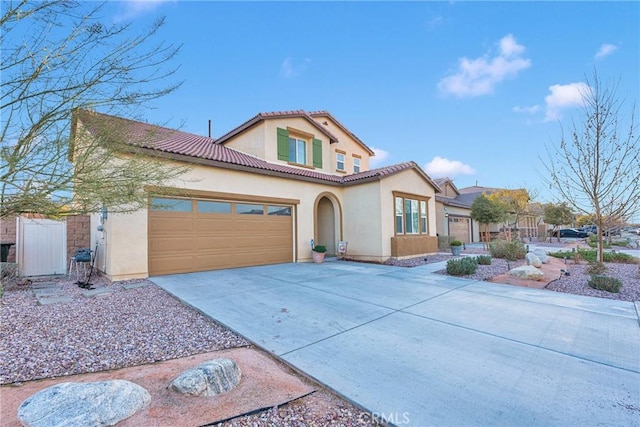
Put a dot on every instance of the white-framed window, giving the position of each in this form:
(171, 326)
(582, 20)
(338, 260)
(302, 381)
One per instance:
(411, 215)
(399, 221)
(356, 165)
(340, 161)
(411, 223)
(298, 151)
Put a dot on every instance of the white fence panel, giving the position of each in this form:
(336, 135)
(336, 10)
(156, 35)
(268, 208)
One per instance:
(42, 247)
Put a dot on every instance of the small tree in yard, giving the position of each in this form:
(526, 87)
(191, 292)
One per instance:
(515, 201)
(557, 214)
(597, 169)
(486, 212)
(58, 56)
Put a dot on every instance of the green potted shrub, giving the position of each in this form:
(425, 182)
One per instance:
(318, 253)
(456, 247)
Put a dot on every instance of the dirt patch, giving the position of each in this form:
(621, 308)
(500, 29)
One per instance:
(552, 271)
(265, 383)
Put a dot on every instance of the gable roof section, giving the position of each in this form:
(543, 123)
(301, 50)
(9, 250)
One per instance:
(324, 113)
(309, 116)
(187, 147)
(260, 117)
(442, 182)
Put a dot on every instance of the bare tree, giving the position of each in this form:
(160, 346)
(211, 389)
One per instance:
(58, 56)
(597, 169)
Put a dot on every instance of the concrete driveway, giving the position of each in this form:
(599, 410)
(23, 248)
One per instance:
(416, 348)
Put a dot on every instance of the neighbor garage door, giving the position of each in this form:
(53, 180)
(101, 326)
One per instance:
(188, 235)
(460, 228)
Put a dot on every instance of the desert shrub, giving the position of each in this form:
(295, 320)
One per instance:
(592, 241)
(462, 267)
(483, 259)
(596, 267)
(605, 283)
(591, 255)
(560, 254)
(512, 251)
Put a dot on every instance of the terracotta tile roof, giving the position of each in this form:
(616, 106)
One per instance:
(276, 115)
(195, 147)
(146, 135)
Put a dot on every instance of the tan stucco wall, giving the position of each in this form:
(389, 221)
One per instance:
(367, 215)
(345, 143)
(251, 141)
(126, 236)
(261, 141)
(363, 209)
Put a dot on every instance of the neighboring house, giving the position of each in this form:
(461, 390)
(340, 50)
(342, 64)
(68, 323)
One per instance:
(527, 224)
(453, 212)
(259, 194)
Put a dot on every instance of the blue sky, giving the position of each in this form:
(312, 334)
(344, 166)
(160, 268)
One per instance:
(469, 90)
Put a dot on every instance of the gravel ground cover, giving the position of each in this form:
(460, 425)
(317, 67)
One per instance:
(576, 283)
(130, 327)
(124, 328)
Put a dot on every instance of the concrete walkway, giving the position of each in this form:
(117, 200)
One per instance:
(417, 348)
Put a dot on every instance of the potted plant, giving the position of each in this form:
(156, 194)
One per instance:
(318, 252)
(456, 247)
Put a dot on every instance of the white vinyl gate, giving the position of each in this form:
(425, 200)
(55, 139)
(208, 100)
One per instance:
(41, 247)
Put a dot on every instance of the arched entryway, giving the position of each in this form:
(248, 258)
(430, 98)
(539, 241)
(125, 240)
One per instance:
(328, 222)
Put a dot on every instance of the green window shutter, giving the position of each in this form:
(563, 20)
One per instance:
(317, 153)
(283, 144)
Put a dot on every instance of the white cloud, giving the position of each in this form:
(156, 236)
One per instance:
(288, 69)
(476, 77)
(440, 167)
(135, 8)
(562, 97)
(529, 110)
(605, 50)
(380, 157)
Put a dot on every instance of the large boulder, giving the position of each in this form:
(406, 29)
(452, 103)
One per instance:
(532, 259)
(528, 272)
(542, 255)
(103, 403)
(208, 379)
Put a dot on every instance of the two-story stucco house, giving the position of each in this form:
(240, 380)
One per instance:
(260, 193)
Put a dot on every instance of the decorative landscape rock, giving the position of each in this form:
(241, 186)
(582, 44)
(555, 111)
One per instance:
(103, 403)
(208, 379)
(532, 259)
(528, 272)
(542, 255)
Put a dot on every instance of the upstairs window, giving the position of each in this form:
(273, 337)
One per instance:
(297, 151)
(299, 147)
(340, 161)
(356, 165)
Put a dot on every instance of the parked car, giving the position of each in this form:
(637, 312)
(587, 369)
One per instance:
(571, 232)
(591, 229)
(638, 231)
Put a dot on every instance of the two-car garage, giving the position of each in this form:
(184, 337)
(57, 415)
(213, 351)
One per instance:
(188, 235)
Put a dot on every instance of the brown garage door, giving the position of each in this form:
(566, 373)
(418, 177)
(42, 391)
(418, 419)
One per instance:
(188, 235)
(460, 228)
